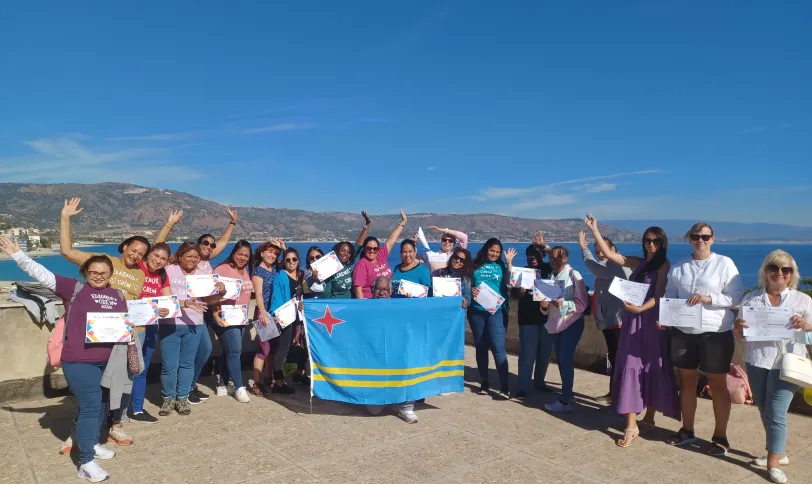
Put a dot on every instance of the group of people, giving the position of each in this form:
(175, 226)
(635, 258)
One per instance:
(643, 353)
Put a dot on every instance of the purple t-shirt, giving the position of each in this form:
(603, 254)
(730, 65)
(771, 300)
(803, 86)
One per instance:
(88, 300)
(365, 271)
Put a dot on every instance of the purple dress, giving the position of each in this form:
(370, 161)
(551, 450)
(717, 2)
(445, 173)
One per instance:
(644, 377)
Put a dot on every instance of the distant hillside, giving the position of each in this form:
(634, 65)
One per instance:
(116, 209)
(724, 231)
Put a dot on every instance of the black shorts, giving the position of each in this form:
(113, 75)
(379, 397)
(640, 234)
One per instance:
(710, 352)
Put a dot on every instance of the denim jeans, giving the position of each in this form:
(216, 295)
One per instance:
(773, 397)
(230, 366)
(535, 346)
(84, 380)
(565, 343)
(490, 331)
(179, 343)
(149, 339)
(203, 353)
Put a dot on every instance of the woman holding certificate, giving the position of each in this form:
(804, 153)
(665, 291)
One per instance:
(229, 322)
(82, 363)
(286, 285)
(373, 263)
(461, 266)
(778, 288)
(410, 269)
(489, 322)
(643, 375)
(711, 281)
(265, 270)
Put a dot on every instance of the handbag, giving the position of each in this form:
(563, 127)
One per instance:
(796, 369)
(132, 359)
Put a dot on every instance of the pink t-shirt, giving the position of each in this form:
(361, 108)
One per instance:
(204, 267)
(365, 271)
(226, 270)
(177, 281)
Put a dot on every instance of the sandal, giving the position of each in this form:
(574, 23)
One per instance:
(628, 437)
(719, 446)
(683, 437)
(255, 390)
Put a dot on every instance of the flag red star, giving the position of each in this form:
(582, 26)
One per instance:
(328, 320)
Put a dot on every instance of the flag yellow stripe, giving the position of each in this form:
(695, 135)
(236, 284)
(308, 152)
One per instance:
(387, 384)
(386, 372)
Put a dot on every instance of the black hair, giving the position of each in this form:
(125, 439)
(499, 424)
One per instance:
(350, 246)
(291, 250)
(660, 257)
(311, 249)
(130, 240)
(408, 242)
(467, 269)
(482, 254)
(242, 243)
(204, 236)
(93, 259)
(534, 251)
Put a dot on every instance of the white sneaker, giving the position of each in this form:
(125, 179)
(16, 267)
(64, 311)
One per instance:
(92, 472)
(222, 392)
(762, 461)
(103, 453)
(777, 475)
(408, 416)
(242, 395)
(558, 407)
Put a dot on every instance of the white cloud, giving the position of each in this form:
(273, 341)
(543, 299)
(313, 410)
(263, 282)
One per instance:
(493, 193)
(159, 137)
(545, 201)
(431, 168)
(278, 127)
(599, 187)
(755, 129)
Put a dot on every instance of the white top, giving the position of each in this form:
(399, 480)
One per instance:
(768, 354)
(716, 277)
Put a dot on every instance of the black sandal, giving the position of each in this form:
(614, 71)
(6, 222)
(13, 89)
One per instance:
(683, 437)
(719, 446)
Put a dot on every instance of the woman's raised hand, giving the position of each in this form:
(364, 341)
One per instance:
(174, 217)
(8, 246)
(367, 220)
(71, 207)
(591, 222)
(582, 240)
(538, 238)
(402, 218)
(233, 215)
(510, 254)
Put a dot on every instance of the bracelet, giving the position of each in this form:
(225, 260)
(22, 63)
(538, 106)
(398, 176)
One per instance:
(232, 223)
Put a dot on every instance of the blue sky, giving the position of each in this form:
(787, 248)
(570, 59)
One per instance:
(629, 109)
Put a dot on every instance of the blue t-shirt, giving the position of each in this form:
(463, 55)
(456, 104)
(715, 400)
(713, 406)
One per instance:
(419, 275)
(491, 274)
(267, 284)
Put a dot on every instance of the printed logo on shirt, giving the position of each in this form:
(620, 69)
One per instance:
(104, 301)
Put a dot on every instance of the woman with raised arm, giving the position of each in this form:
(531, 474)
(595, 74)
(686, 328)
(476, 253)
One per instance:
(236, 266)
(265, 270)
(209, 249)
(286, 285)
(609, 309)
(713, 281)
(778, 288)
(83, 364)
(449, 239)
(643, 375)
(373, 263)
(339, 285)
(490, 330)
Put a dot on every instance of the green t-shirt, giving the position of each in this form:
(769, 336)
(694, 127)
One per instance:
(339, 285)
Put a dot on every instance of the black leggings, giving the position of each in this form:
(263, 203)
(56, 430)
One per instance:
(612, 337)
(280, 347)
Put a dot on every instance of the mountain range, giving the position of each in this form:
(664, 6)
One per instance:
(116, 210)
(724, 231)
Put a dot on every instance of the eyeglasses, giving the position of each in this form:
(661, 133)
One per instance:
(652, 241)
(696, 237)
(774, 269)
(371, 249)
(448, 240)
(97, 274)
(382, 289)
(292, 259)
(206, 243)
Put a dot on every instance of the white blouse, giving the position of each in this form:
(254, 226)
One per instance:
(768, 354)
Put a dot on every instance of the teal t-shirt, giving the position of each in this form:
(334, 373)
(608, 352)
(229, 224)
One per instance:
(491, 274)
(419, 275)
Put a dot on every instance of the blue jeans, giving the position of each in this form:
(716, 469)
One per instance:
(773, 397)
(149, 339)
(230, 364)
(490, 331)
(84, 380)
(564, 343)
(203, 353)
(536, 346)
(179, 344)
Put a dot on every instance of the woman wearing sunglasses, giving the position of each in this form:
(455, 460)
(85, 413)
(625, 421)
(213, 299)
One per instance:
(373, 263)
(265, 270)
(461, 265)
(778, 288)
(710, 280)
(643, 375)
(286, 285)
(448, 240)
(314, 288)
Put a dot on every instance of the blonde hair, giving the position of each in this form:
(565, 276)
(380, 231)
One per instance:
(696, 228)
(779, 258)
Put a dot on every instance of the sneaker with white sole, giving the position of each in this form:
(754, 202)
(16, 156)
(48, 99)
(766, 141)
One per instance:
(408, 416)
(119, 436)
(66, 446)
(558, 407)
(92, 472)
(242, 395)
(221, 392)
(777, 475)
(103, 453)
(762, 461)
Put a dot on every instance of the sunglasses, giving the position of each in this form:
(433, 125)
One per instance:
(774, 269)
(652, 241)
(457, 258)
(371, 249)
(448, 240)
(705, 237)
(292, 259)
(206, 243)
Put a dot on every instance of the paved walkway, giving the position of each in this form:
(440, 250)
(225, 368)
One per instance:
(462, 438)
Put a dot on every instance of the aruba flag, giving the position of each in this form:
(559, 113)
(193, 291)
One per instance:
(385, 351)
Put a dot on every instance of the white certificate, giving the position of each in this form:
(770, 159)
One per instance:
(266, 333)
(523, 277)
(677, 313)
(327, 265)
(170, 303)
(488, 298)
(107, 328)
(236, 315)
(412, 289)
(285, 315)
(548, 289)
(200, 285)
(142, 312)
(446, 286)
(767, 323)
(422, 238)
(233, 286)
(629, 291)
(437, 257)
